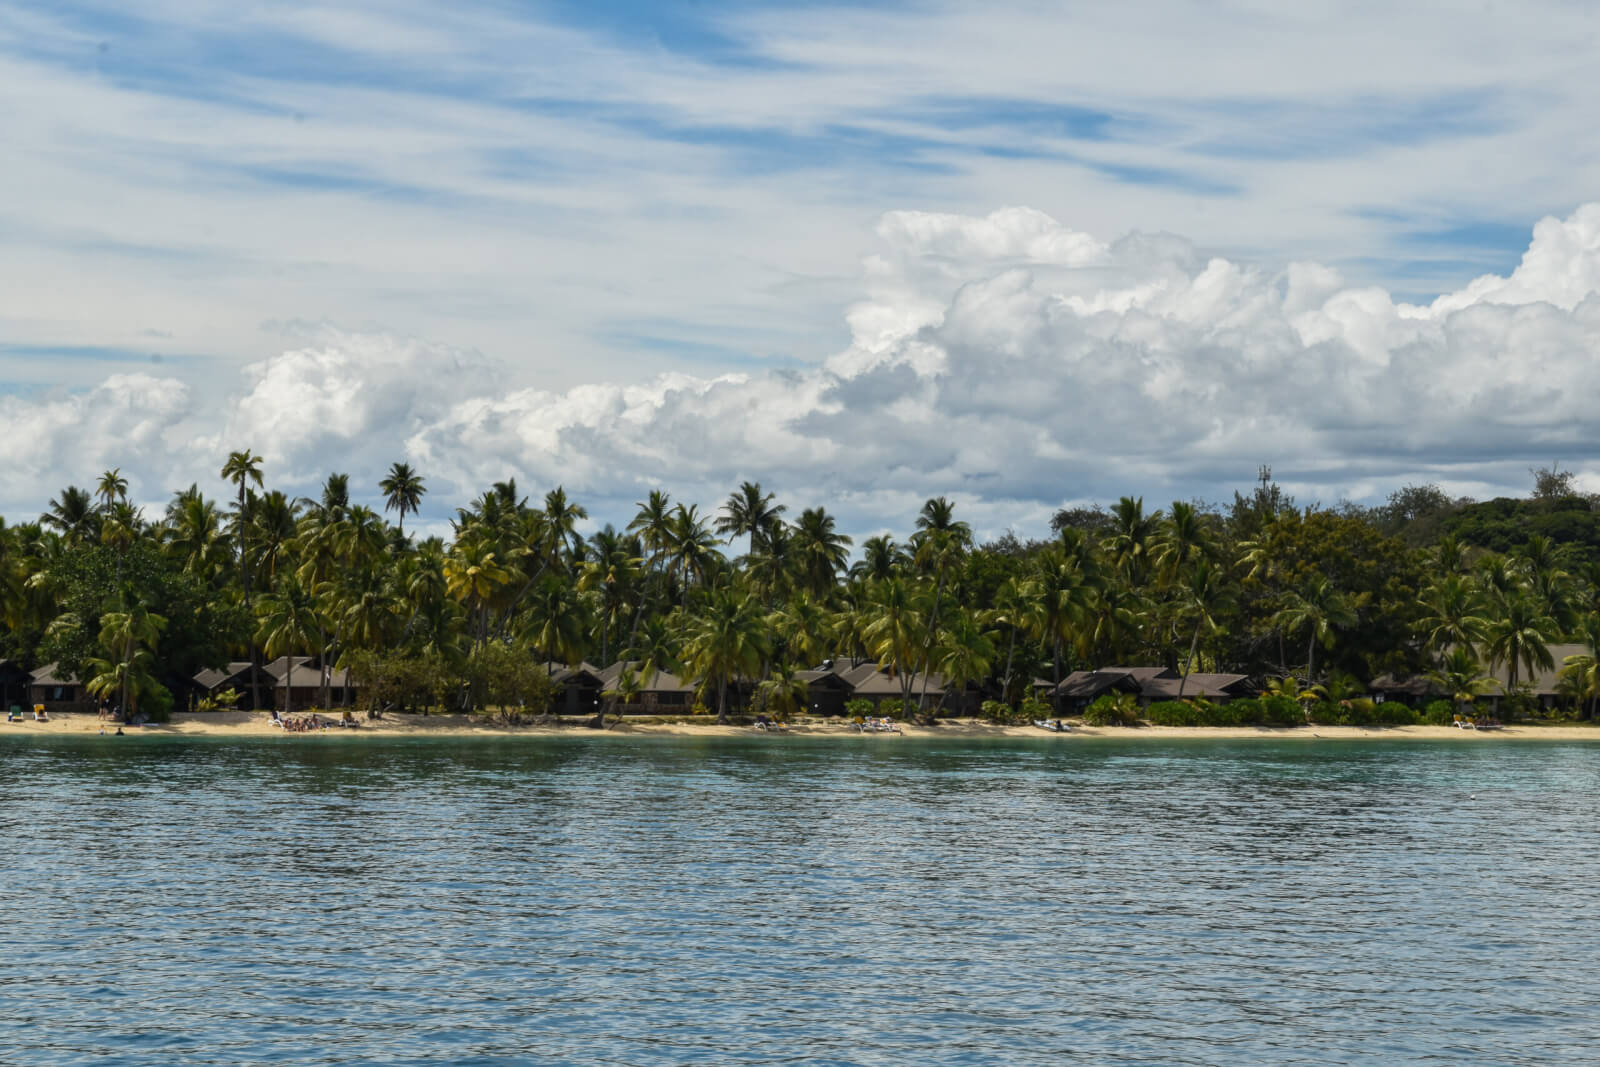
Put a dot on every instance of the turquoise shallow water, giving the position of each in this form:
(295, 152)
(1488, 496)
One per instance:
(779, 900)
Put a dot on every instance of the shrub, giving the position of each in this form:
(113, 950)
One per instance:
(155, 702)
(859, 708)
(998, 711)
(1281, 711)
(1439, 713)
(1033, 707)
(1111, 710)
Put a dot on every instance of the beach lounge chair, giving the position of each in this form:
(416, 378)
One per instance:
(1464, 723)
(39, 714)
(15, 714)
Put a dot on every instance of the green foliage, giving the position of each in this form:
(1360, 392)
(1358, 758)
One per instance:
(859, 708)
(891, 707)
(1281, 711)
(1033, 708)
(997, 712)
(1505, 525)
(1113, 710)
(1439, 713)
(155, 702)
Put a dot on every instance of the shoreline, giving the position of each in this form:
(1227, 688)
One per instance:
(259, 724)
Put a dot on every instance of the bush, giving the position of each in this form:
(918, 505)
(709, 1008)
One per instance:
(998, 712)
(155, 702)
(1439, 713)
(859, 708)
(892, 707)
(1281, 711)
(1111, 710)
(1033, 707)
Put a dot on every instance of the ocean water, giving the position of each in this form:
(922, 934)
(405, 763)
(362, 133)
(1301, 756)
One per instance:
(328, 900)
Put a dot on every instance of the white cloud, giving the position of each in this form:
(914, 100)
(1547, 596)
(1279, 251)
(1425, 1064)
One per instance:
(1006, 360)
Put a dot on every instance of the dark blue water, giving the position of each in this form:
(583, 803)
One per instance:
(662, 901)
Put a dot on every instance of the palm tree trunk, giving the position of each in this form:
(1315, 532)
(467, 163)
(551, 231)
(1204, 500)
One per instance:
(1194, 644)
(933, 630)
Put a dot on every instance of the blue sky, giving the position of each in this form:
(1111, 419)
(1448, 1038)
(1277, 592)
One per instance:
(593, 192)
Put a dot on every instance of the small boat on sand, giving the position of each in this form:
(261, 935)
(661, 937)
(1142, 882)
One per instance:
(1053, 725)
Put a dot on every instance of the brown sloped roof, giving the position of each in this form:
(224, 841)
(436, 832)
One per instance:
(1085, 685)
(1197, 685)
(211, 679)
(47, 675)
(659, 682)
(1415, 686)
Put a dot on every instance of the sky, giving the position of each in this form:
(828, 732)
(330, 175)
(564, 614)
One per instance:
(1020, 254)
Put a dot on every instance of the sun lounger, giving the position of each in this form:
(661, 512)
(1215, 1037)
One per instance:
(39, 714)
(15, 714)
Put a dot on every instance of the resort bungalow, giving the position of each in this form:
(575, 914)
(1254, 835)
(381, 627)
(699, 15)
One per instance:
(1081, 688)
(659, 691)
(1413, 690)
(580, 687)
(273, 677)
(839, 681)
(58, 691)
(1545, 686)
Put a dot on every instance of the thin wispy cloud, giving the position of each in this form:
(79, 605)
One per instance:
(601, 197)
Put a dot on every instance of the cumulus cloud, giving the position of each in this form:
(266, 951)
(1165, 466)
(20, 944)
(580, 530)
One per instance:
(1008, 361)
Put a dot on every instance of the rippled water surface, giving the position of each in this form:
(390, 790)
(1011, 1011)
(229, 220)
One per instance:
(872, 901)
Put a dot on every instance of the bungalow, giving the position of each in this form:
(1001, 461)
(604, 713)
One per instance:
(581, 688)
(660, 690)
(273, 677)
(59, 691)
(1082, 688)
(839, 681)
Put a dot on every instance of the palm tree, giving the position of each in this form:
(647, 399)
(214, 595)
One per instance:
(895, 631)
(472, 576)
(820, 551)
(749, 511)
(402, 490)
(1061, 591)
(288, 626)
(784, 691)
(1519, 639)
(130, 637)
(1584, 668)
(880, 558)
(1185, 537)
(113, 487)
(1453, 608)
(612, 575)
(726, 640)
(939, 543)
(1202, 595)
(689, 548)
(242, 468)
(965, 652)
(1133, 538)
(1320, 610)
(806, 629)
(1461, 675)
(555, 621)
(74, 514)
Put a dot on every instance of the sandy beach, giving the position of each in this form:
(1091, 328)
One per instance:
(246, 724)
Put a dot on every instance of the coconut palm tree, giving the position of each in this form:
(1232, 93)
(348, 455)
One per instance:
(112, 488)
(749, 511)
(1201, 595)
(242, 468)
(727, 639)
(784, 691)
(73, 513)
(288, 626)
(938, 546)
(1321, 610)
(473, 575)
(555, 621)
(895, 630)
(1519, 639)
(1452, 608)
(821, 552)
(1133, 538)
(129, 637)
(402, 490)
(965, 652)
(1461, 675)
(880, 558)
(690, 548)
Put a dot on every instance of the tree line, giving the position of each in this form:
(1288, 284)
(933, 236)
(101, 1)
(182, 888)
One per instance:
(748, 594)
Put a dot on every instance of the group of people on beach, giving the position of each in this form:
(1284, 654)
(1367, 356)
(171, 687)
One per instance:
(311, 722)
